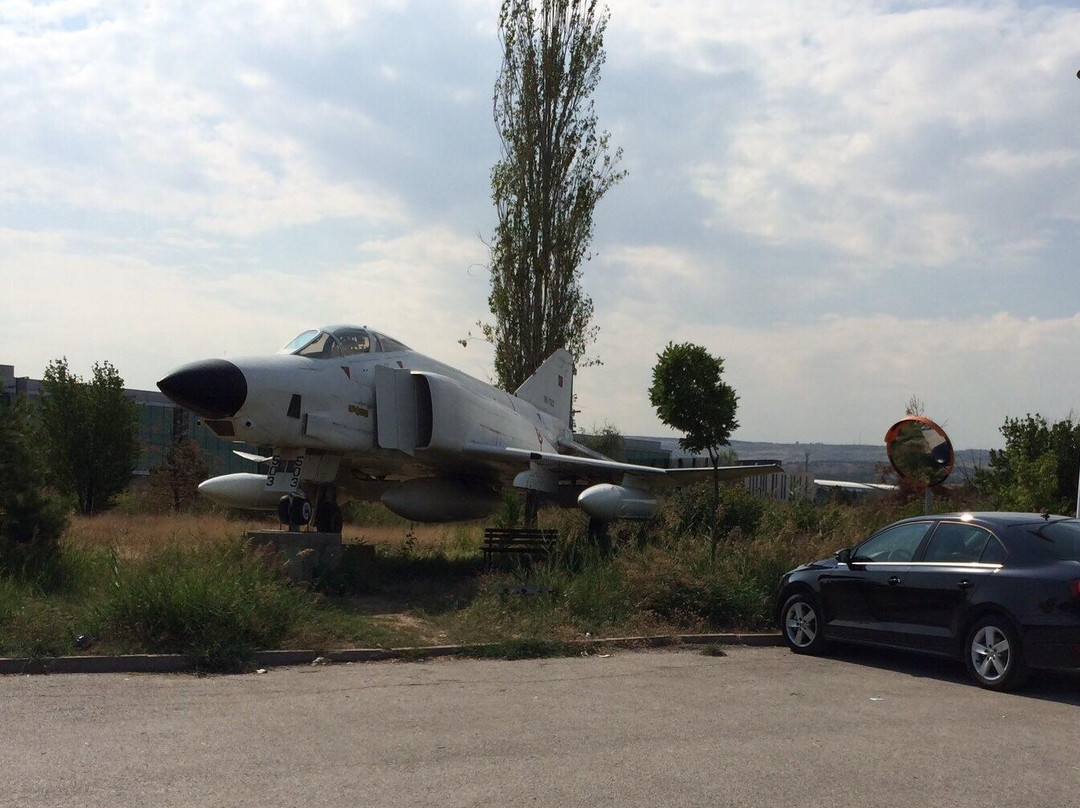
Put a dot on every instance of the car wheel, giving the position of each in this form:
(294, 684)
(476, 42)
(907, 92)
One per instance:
(801, 624)
(993, 656)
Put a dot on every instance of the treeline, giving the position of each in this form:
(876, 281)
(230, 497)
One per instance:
(74, 449)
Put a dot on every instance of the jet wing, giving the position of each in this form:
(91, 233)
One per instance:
(677, 477)
(595, 470)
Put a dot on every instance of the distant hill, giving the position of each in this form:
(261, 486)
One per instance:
(832, 461)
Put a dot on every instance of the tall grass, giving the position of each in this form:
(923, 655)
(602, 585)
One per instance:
(163, 583)
(219, 604)
(660, 575)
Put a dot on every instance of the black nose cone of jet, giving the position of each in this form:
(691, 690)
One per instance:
(212, 388)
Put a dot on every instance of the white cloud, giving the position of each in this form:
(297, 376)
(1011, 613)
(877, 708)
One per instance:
(147, 317)
(850, 202)
(847, 378)
(1017, 164)
(869, 130)
(137, 114)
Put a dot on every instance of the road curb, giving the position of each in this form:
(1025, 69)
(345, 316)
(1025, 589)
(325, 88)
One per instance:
(182, 663)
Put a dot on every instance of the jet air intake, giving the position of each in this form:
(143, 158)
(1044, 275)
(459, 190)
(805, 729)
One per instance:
(212, 388)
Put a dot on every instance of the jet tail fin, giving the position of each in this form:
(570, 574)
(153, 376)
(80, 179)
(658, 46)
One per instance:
(551, 388)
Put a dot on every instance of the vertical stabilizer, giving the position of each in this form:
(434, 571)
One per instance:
(551, 388)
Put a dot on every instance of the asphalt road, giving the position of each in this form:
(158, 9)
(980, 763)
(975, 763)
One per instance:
(757, 727)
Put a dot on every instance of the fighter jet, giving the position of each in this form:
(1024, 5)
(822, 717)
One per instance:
(354, 414)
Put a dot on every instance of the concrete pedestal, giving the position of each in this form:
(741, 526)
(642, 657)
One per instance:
(305, 555)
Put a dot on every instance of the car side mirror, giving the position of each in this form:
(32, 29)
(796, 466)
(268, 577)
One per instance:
(843, 556)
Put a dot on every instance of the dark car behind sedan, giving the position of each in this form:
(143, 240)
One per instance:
(999, 591)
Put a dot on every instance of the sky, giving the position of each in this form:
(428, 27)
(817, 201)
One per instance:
(850, 202)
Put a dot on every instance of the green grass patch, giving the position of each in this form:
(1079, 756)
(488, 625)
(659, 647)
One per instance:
(220, 604)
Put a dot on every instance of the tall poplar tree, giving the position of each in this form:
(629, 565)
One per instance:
(554, 168)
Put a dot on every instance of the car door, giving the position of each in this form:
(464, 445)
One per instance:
(942, 581)
(859, 599)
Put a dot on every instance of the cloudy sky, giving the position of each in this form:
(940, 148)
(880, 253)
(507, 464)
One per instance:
(850, 202)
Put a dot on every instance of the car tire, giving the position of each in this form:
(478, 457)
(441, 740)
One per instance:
(802, 625)
(992, 654)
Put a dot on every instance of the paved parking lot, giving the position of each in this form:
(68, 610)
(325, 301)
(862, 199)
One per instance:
(756, 727)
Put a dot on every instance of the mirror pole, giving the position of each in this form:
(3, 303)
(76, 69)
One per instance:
(928, 502)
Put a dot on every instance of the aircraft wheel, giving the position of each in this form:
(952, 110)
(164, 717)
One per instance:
(299, 511)
(283, 509)
(328, 518)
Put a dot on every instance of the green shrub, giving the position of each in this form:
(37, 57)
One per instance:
(219, 604)
(360, 513)
(511, 512)
(32, 518)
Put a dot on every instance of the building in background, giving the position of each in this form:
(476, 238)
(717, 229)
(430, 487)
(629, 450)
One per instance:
(665, 453)
(160, 423)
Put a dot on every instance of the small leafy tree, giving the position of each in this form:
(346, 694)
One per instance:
(89, 432)
(1037, 469)
(176, 479)
(690, 396)
(31, 518)
(554, 168)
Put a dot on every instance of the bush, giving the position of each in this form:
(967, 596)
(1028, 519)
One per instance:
(688, 511)
(31, 518)
(370, 514)
(219, 604)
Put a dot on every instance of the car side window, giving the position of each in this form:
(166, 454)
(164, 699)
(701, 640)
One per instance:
(895, 544)
(956, 543)
(995, 552)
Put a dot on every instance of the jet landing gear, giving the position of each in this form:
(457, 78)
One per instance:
(296, 512)
(328, 517)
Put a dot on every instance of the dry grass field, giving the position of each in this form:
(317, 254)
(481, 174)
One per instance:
(142, 534)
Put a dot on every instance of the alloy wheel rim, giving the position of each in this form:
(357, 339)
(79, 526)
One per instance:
(990, 653)
(801, 624)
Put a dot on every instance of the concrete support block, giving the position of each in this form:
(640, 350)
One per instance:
(305, 555)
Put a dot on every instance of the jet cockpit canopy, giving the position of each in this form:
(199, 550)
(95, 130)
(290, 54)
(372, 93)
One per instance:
(336, 341)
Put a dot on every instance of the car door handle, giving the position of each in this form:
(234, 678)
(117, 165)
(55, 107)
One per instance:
(964, 584)
(894, 580)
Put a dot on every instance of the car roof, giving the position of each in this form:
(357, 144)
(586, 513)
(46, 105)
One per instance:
(996, 518)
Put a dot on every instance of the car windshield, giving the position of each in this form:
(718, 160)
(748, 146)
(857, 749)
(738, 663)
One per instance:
(1061, 538)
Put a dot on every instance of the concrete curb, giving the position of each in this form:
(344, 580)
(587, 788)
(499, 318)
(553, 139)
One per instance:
(181, 663)
(128, 663)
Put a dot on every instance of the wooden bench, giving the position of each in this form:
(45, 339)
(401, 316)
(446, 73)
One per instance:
(524, 541)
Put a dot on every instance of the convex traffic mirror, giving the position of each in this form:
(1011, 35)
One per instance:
(920, 451)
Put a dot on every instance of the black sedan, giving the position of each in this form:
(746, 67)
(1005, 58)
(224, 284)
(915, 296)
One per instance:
(999, 591)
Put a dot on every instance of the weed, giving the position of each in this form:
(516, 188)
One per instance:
(167, 583)
(218, 604)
